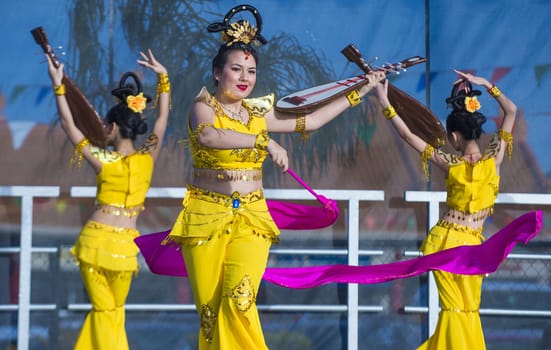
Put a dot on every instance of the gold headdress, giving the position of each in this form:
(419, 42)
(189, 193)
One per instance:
(240, 31)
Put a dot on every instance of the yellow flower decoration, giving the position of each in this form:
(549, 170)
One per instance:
(136, 103)
(240, 32)
(472, 104)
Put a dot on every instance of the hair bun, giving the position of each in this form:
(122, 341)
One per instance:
(460, 91)
(126, 88)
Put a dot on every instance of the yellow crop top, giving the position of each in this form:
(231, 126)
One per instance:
(231, 159)
(472, 188)
(124, 180)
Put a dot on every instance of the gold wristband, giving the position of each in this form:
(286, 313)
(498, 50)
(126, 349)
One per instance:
(494, 91)
(353, 98)
(163, 84)
(389, 112)
(59, 90)
(261, 141)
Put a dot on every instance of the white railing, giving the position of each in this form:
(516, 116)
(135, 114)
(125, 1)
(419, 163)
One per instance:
(353, 199)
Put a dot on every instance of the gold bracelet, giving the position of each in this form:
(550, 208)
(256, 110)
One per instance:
(261, 141)
(300, 126)
(389, 112)
(163, 86)
(164, 83)
(59, 90)
(353, 98)
(494, 91)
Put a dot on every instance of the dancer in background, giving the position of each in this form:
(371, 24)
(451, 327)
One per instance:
(105, 250)
(225, 230)
(472, 186)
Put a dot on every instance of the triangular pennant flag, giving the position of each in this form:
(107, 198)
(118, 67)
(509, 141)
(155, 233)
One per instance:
(43, 92)
(20, 130)
(499, 73)
(540, 71)
(17, 90)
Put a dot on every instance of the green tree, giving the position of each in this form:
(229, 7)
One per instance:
(176, 32)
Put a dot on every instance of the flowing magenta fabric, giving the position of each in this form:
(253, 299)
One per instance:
(467, 260)
(166, 259)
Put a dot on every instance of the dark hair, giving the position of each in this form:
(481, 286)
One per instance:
(130, 123)
(468, 124)
(221, 57)
(238, 35)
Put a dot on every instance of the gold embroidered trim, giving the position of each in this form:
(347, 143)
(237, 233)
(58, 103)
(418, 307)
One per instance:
(425, 157)
(120, 210)
(461, 311)
(208, 322)
(243, 294)
(113, 229)
(461, 228)
(508, 138)
(230, 175)
(470, 217)
(234, 201)
(149, 144)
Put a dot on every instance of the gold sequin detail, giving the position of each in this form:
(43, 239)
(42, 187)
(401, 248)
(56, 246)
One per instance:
(425, 157)
(76, 159)
(118, 210)
(243, 294)
(222, 199)
(508, 138)
(208, 322)
(461, 311)
(461, 228)
(300, 126)
(230, 175)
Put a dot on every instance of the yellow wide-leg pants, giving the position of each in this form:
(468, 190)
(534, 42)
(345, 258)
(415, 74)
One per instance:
(459, 326)
(225, 275)
(104, 326)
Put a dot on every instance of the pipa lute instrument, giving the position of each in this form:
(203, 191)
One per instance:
(86, 118)
(419, 118)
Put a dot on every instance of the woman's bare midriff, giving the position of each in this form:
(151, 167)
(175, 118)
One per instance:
(474, 221)
(114, 216)
(228, 181)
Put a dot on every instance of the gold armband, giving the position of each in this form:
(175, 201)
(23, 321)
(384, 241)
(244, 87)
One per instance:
(261, 141)
(76, 159)
(353, 98)
(389, 112)
(508, 138)
(163, 86)
(300, 126)
(425, 157)
(494, 91)
(59, 90)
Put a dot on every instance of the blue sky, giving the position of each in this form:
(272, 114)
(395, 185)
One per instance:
(469, 34)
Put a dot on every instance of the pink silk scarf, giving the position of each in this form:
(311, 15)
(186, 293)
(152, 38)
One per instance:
(166, 259)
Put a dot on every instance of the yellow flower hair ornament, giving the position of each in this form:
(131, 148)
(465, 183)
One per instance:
(472, 104)
(130, 92)
(136, 103)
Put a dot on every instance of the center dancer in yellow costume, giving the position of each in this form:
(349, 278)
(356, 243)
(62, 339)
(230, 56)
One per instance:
(225, 229)
(105, 248)
(472, 186)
